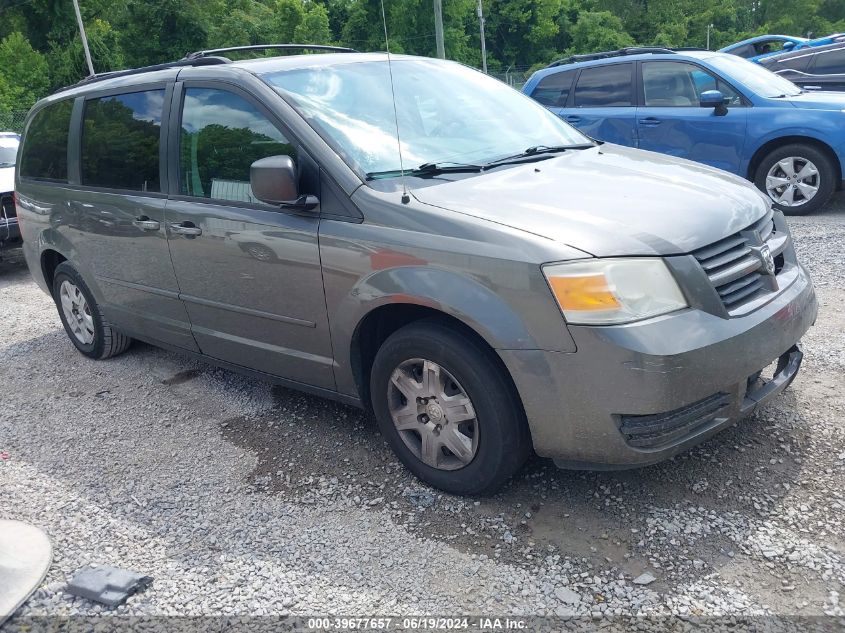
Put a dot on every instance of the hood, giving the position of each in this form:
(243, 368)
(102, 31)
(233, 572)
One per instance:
(609, 200)
(7, 179)
(818, 100)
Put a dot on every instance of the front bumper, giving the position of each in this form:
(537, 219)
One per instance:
(686, 373)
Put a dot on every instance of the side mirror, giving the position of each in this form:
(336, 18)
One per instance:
(273, 180)
(713, 99)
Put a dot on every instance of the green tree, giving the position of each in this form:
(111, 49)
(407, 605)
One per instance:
(24, 72)
(155, 31)
(598, 31)
(314, 26)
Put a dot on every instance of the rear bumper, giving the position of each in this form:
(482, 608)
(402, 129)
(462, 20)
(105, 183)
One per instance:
(637, 394)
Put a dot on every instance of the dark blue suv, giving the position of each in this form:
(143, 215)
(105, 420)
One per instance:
(709, 107)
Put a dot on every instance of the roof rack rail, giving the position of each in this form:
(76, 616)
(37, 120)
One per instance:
(202, 61)
(261, 47)
(631, 50)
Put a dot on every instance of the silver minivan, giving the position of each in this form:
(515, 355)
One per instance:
(438, 248)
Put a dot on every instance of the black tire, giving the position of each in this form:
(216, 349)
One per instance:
(107, 341)
(827, 175)
(504, 442)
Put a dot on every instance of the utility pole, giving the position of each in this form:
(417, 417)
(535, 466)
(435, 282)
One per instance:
(84, 38)
(483, 43)
(438, 28)
(709, 26)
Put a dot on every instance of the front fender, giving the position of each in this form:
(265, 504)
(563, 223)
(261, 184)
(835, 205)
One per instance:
(504, 319)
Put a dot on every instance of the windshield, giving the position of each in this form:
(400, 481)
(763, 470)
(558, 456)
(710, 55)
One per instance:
(762, 81)
(447, 113)
(8, 153)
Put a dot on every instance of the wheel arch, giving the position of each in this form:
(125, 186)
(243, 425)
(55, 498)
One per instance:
(378, 324)
(780, 141)
(50, 259)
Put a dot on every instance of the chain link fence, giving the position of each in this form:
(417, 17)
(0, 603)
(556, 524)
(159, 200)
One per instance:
(12, 121)
(514, 77)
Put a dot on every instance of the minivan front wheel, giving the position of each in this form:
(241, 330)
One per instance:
(82, 318)
(799, 179)
(447, 409)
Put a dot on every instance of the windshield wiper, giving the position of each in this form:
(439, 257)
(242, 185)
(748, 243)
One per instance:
(535, 150)
(428, 169)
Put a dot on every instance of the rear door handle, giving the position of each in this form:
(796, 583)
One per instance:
(572, 118)
(145, 224)
(650, 121)
(186, 228)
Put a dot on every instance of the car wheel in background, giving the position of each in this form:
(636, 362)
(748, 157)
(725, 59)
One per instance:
(84, 323)
(448, 409)
(798, 178)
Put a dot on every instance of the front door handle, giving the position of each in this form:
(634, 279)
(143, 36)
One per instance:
(650, 121)
(573, 118)
(145, 224)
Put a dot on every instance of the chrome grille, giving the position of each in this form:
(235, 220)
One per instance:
(735, 267)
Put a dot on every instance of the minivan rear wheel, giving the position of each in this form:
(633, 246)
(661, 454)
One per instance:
(82, 318)
(798, 178)
(448, 409)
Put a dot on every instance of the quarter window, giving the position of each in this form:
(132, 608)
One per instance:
(121, 139)
(676, 84)
(222, 135)
(604, 86)
(553, 90)
(44, 154)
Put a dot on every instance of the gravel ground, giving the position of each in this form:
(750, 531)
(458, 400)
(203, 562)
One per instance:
(243, 498)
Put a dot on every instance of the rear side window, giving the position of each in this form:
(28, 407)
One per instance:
(222, 135)
(121, 136)
(44, 155)
(553, 90)
(604, 86)
(830, 63)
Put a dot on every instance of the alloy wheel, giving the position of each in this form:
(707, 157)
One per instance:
(792, 181)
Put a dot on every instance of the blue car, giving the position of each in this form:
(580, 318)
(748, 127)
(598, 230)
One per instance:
(755, 48)
(710, 107)
(767, 46)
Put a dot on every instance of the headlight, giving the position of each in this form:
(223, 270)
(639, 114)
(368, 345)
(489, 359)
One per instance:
(604, 291)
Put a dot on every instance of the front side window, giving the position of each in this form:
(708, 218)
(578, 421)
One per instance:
(604, 86)
(677, 84)
(553, 90)
(121, 139)
(44, 155)
(830, 63)
(446, 113)
(222, 135)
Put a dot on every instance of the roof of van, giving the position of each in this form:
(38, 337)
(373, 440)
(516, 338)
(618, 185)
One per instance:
(259, 66)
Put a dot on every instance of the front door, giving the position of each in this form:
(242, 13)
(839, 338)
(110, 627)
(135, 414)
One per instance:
(249, 273)
(671, 121)
(602, 104)
(119, 213)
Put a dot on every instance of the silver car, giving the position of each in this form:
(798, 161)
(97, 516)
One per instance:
(501, 285)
